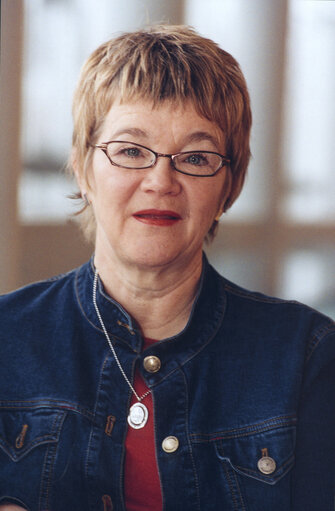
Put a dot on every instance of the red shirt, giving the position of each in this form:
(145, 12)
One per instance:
(141, 479)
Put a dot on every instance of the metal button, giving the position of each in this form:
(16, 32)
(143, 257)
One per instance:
(152, 364)
(170, 444)
(266, 465)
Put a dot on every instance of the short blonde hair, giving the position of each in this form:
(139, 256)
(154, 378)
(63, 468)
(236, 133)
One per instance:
(159, 63)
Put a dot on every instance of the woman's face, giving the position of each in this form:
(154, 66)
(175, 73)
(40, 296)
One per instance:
(155, 217)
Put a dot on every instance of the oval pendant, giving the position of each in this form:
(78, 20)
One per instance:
(138, 416)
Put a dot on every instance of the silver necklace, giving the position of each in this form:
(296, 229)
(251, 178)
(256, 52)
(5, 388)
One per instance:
(138, 413)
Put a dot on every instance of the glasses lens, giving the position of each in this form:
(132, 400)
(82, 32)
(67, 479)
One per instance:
(131, 156)
(198, 163)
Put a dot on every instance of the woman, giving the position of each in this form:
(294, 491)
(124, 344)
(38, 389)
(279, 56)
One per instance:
(144, 380)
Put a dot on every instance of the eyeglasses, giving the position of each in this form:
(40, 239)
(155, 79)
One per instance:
(128, 155)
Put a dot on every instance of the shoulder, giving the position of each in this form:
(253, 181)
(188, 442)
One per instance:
(271, 305)
(277, 318)
(43, 295)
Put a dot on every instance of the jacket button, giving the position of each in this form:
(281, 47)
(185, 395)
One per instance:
(170, 444)
(266, 465)
(152, 364)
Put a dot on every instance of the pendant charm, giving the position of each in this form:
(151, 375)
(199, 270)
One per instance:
(138, 416)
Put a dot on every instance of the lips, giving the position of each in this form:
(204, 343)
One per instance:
(157, 217)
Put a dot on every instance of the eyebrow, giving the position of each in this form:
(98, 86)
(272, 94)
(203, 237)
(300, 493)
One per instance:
(136, 132)
(197, 136)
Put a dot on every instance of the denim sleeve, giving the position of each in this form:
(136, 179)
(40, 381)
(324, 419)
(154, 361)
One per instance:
(313, 487)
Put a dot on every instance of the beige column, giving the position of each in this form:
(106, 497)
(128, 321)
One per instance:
(10, 164)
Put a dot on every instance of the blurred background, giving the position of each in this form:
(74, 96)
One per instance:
(279, 238)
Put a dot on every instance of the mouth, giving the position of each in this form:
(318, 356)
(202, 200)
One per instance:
(157, 217)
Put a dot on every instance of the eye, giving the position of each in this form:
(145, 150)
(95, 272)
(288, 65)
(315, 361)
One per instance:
(129, 156)
(196, 159)
(132, 152)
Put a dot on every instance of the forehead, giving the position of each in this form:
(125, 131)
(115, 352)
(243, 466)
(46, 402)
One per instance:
(145, 121)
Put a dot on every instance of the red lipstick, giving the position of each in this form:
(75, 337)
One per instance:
(159, 217)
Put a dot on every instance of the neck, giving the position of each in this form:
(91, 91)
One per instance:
(159, 299)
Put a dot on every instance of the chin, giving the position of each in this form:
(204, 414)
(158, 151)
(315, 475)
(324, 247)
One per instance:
(153, 257)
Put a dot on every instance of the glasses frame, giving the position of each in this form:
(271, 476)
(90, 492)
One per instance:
(104, 147)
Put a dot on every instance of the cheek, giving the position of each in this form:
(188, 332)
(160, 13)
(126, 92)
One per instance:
(210, 198)
(114, 189)
(204, 210)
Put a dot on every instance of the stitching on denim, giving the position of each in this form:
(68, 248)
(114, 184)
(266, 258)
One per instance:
(280, 469)
(76, 288)
(116, 304)
(80, 305)
(158, 468)
(52, 461)
(231, 487)
(239, 491)
(40, 282)
(189, 358)
(61, 275)
(318, 336)
(257, 297)
(96, 327)
(7, 448)
(48, 403)
(202, 347)
(259, 427)
(94, 414)
(243, 435)
(122, 464)
(50, 458)
(46, 439)
(50, 438)
(189, 441)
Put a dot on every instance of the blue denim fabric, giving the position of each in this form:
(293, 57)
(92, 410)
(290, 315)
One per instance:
(249, 376)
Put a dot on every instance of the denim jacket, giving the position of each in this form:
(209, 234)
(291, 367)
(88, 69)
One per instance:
(247, 389)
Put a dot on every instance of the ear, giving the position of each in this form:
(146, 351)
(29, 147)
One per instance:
(221, 210)
(219, 213)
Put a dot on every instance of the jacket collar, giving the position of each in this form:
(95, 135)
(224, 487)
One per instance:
(205, 318)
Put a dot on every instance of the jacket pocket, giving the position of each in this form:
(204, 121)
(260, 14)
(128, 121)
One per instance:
(262, 453)
(29, 439)
(249, 466)
(23, 430)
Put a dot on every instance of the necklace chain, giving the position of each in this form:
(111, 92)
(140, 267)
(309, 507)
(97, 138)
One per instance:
(94, 297)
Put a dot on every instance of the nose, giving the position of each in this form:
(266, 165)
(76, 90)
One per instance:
(161, 178)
